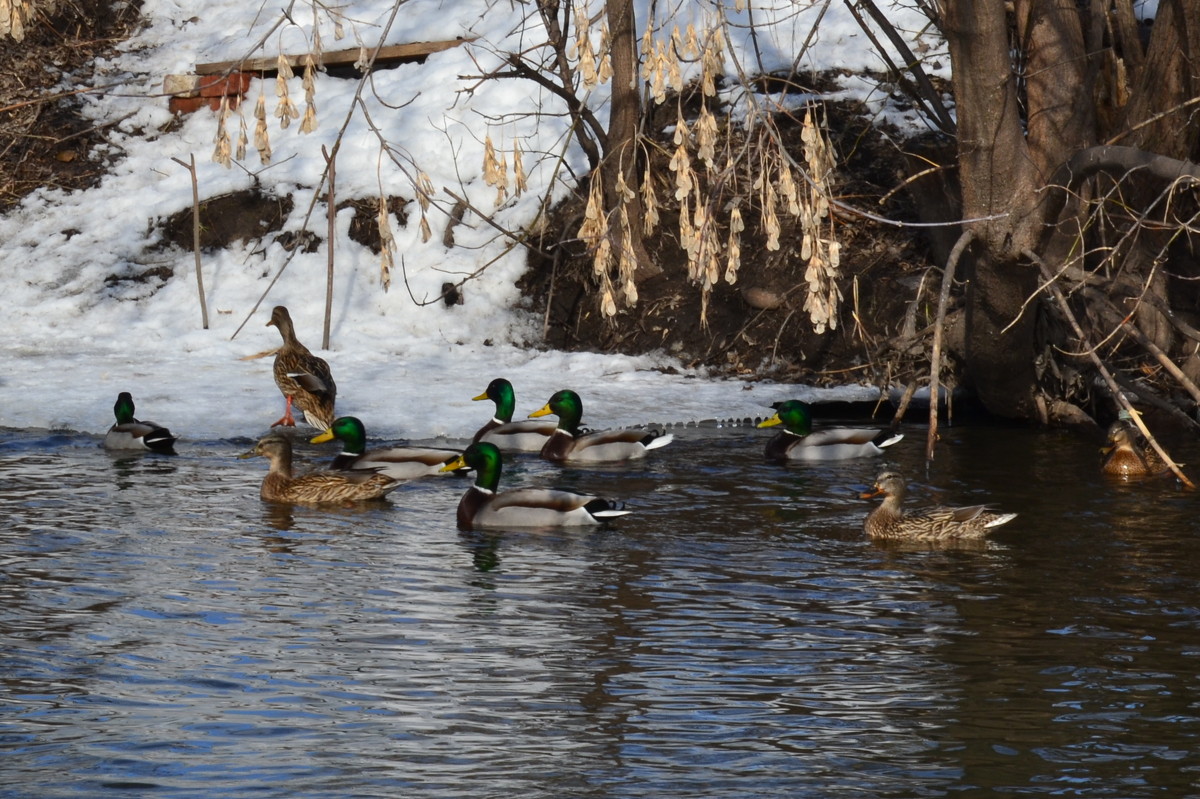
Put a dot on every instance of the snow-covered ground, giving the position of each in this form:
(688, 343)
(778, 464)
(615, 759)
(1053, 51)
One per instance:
(75, 334)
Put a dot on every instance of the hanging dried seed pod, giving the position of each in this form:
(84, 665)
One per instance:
(626, 263)
(681, 165)
(387, 244)
(309, 81)
(706, 136)
(649, 203)
(519, 176)
(502, 180)
(604, 70)
(262, 137)
(787, 188)
(285, 109)
(770, 218)
(733, 260)
(647, 54)
(490, 167)
(223, 149)
(424, 189)
(243, 136)
(691, 43)
(712, 63)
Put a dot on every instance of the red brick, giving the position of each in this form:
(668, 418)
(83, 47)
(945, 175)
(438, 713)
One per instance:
(224, 86)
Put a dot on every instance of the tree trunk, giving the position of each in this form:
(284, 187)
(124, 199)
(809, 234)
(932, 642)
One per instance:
(1169, 77)
(1056, 77)
(998, 185)
(625, 111)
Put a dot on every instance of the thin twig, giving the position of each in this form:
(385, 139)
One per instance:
(905, 399)
(191, 167)
(1144, 341)
(935, 358)
(329, 241)
(1113, 387)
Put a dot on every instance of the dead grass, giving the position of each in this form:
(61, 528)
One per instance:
(44, 140)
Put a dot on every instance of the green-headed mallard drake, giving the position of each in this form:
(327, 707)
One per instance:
(568, 444)
(483, 508)
(314, 487)
(1126, 456)
(889, 521)
(798, 442)
(399, 463)
(510, 436)
(304, 379)
(129, 433)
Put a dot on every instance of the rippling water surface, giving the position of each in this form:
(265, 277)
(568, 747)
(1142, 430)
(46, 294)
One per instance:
(165, 633)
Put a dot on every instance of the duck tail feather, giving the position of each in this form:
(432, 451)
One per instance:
(657, 439)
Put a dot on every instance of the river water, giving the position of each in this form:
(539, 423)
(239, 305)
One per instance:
(165, 633)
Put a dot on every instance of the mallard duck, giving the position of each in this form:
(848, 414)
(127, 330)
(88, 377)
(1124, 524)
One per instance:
(304, 379)
(399, 463)
(482, 507)
(568, 444)
(510, 436)
(889, 521)
(129, 433)
(798, 442)
(1125, 456)
(314, 487)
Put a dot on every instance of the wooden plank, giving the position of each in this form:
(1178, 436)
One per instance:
(393, 52)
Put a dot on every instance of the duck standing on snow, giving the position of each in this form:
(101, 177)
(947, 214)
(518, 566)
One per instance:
(304, 379)
(399, 463)
(483, 508)
(315, 487)
(130, 434)
(797, 441)
(890, 522)
(568, 444)
(501, 430)
(1125, 456)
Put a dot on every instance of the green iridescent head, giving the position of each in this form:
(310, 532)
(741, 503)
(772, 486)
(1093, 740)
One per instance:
(567, 406)
(794, 415)
(485, 459)
(500, 391)
(350, 431)
(123, 409)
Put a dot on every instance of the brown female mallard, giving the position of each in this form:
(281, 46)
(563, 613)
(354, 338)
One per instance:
(314, 487)
(304, 379)
(889, 521)
(1125, 456)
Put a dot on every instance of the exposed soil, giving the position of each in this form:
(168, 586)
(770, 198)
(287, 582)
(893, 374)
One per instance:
(755, 328)
(50, 143)
(759, 327)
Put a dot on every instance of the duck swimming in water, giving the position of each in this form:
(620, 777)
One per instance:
(501, 430)
(569, 444)
(131, 434)
(399, 463)
(315, 487)
(483, 506)
(890, 521)
(797, 441)
(1126, 456)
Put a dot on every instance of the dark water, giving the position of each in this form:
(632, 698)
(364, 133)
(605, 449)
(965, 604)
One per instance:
(164, 633)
